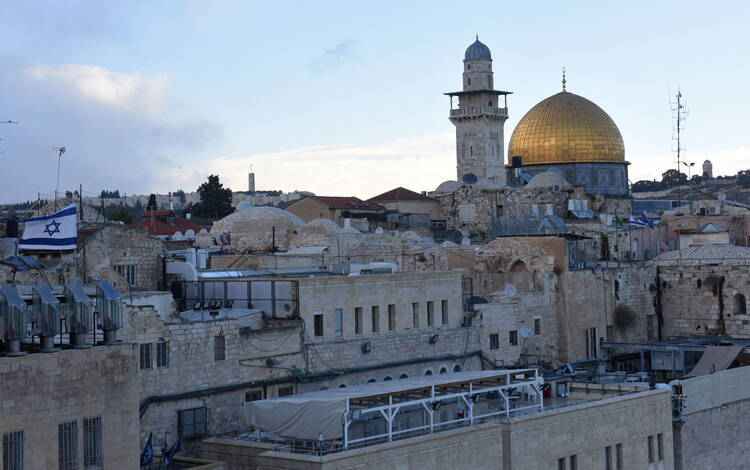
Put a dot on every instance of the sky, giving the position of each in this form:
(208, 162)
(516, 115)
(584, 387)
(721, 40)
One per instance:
(342, 98)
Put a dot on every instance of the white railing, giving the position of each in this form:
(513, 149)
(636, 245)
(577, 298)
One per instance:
(478, 111)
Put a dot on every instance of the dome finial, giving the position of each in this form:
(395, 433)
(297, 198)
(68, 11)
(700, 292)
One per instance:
(563, 80)
(477, 36)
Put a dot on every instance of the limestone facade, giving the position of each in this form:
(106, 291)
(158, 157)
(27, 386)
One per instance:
(39, 392)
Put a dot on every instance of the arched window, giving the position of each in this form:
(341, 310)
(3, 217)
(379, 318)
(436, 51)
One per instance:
(427, 372)
(518, 266)
(387, 378)
(489, 104)
(740, 304)
(342, 386)
(371, 381)
(403, 376)
(457, 368)
(443, 370)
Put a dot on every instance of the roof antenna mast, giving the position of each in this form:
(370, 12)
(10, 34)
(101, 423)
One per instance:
(679, 114)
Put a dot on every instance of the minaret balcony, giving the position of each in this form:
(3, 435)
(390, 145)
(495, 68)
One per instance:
(477, 111)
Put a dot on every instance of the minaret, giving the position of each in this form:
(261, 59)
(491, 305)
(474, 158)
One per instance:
(479, 120)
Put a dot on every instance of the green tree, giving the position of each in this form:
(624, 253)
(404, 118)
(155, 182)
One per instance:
(216, 200)
(122, 215)
(180, 194)
(151, 206)
(673, 178)
(743, 178)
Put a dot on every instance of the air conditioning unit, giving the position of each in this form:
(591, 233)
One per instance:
(13, 314)
(714, 210)
(78, 316)
(110, 308)
(46, 315)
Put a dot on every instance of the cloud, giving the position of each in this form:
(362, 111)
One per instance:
(120, 129)
(334, 57)
(418, 163)
(130, 92)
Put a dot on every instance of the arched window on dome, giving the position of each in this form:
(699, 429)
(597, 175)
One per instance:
(457, 368)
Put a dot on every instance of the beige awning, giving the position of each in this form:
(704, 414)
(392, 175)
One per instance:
(714, 359)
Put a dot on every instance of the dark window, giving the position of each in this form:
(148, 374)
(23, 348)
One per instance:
(415, 315)
(67, 434)
(145, 355)
(403, 376)
(660, 446)
(162, 354)
(318, 324)
(608, 458)
(391, 317)
(92, 442)
(357, 320)
(651, 449)
(513, 338)
(375, 318)
(618, 451)
(430, 313)
(457, 368)
(591, 346)
(428, 372)
(219, 354)
(573, 462)
(468, 81)
(193, 422)
(339, 322)
(740, 305)
(444, 311)
(254, 395)
(286, 391)
(537, 326)
(494, 341)
(131, 275)
(13, 450)
(120, 269)
(561, 463)
(443, 370)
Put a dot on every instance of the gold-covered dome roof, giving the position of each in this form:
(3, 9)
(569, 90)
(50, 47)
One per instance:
(566, 128)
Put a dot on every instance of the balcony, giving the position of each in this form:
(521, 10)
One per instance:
(476, 111)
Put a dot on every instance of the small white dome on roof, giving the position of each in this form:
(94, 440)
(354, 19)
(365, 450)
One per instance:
(447, 187)
(254, 213)
(328, 224)
(548, 179)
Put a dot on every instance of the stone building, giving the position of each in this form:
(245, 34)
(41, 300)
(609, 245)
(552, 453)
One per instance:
(335, 208)
(72, 408)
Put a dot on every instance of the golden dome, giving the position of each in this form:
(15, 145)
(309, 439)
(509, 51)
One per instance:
(566, 128)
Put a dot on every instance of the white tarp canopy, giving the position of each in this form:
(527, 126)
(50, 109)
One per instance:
(308, 415)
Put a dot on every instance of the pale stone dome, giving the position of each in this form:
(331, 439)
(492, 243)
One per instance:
(548, 179)
(328, 224)
(477, 51)
(447, 187)
(254, 213)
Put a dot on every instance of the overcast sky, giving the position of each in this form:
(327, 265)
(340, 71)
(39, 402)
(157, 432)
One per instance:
(342, 98)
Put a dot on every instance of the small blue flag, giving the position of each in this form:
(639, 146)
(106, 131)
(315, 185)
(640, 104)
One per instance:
(647, 220)
(147, 456)
(637, 222)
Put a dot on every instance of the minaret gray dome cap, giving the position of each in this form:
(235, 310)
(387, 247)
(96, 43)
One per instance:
(478, 51)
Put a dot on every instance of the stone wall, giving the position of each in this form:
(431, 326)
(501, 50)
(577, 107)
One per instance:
(469, 208)
(700, 300)
(40, 391)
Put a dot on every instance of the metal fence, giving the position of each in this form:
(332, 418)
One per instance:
(278, 299)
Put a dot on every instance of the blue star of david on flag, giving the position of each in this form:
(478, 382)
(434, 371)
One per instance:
(53, 231)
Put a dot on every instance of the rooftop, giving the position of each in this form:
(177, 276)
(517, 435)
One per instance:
(400, 194)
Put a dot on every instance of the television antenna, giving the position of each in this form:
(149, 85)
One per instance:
(60, 151)
(679, 114)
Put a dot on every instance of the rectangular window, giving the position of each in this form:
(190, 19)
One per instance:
(13, 450)
(162, 354)
(286, 391)
(608, 458)
(415, 315)
(651, 449)
(592, 335)
(494, 341)
(444, 311)
(131, 275)
(253, 395)
(219, 351)
(660, 446)
(145, 355)
(430, 313)
(573, 462)
(618, 451)
(357, 320)
(375, 319)
(651, 327)
(120, 269)
(537, 326)
(513, 338)
(67, 434)
(339, 322)
(318, 323)
(92, 442)
(193, 422)
(561, 463)
(391, 317)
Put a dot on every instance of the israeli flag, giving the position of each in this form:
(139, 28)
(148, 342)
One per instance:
(51, 232)
(637, 222)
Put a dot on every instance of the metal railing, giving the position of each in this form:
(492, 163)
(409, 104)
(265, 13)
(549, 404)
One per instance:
(479, 110)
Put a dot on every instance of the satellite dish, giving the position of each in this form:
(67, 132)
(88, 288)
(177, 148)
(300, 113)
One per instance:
(525, 332)
(454, 236)
(379, 230)
(510, 290)
(470, 178)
